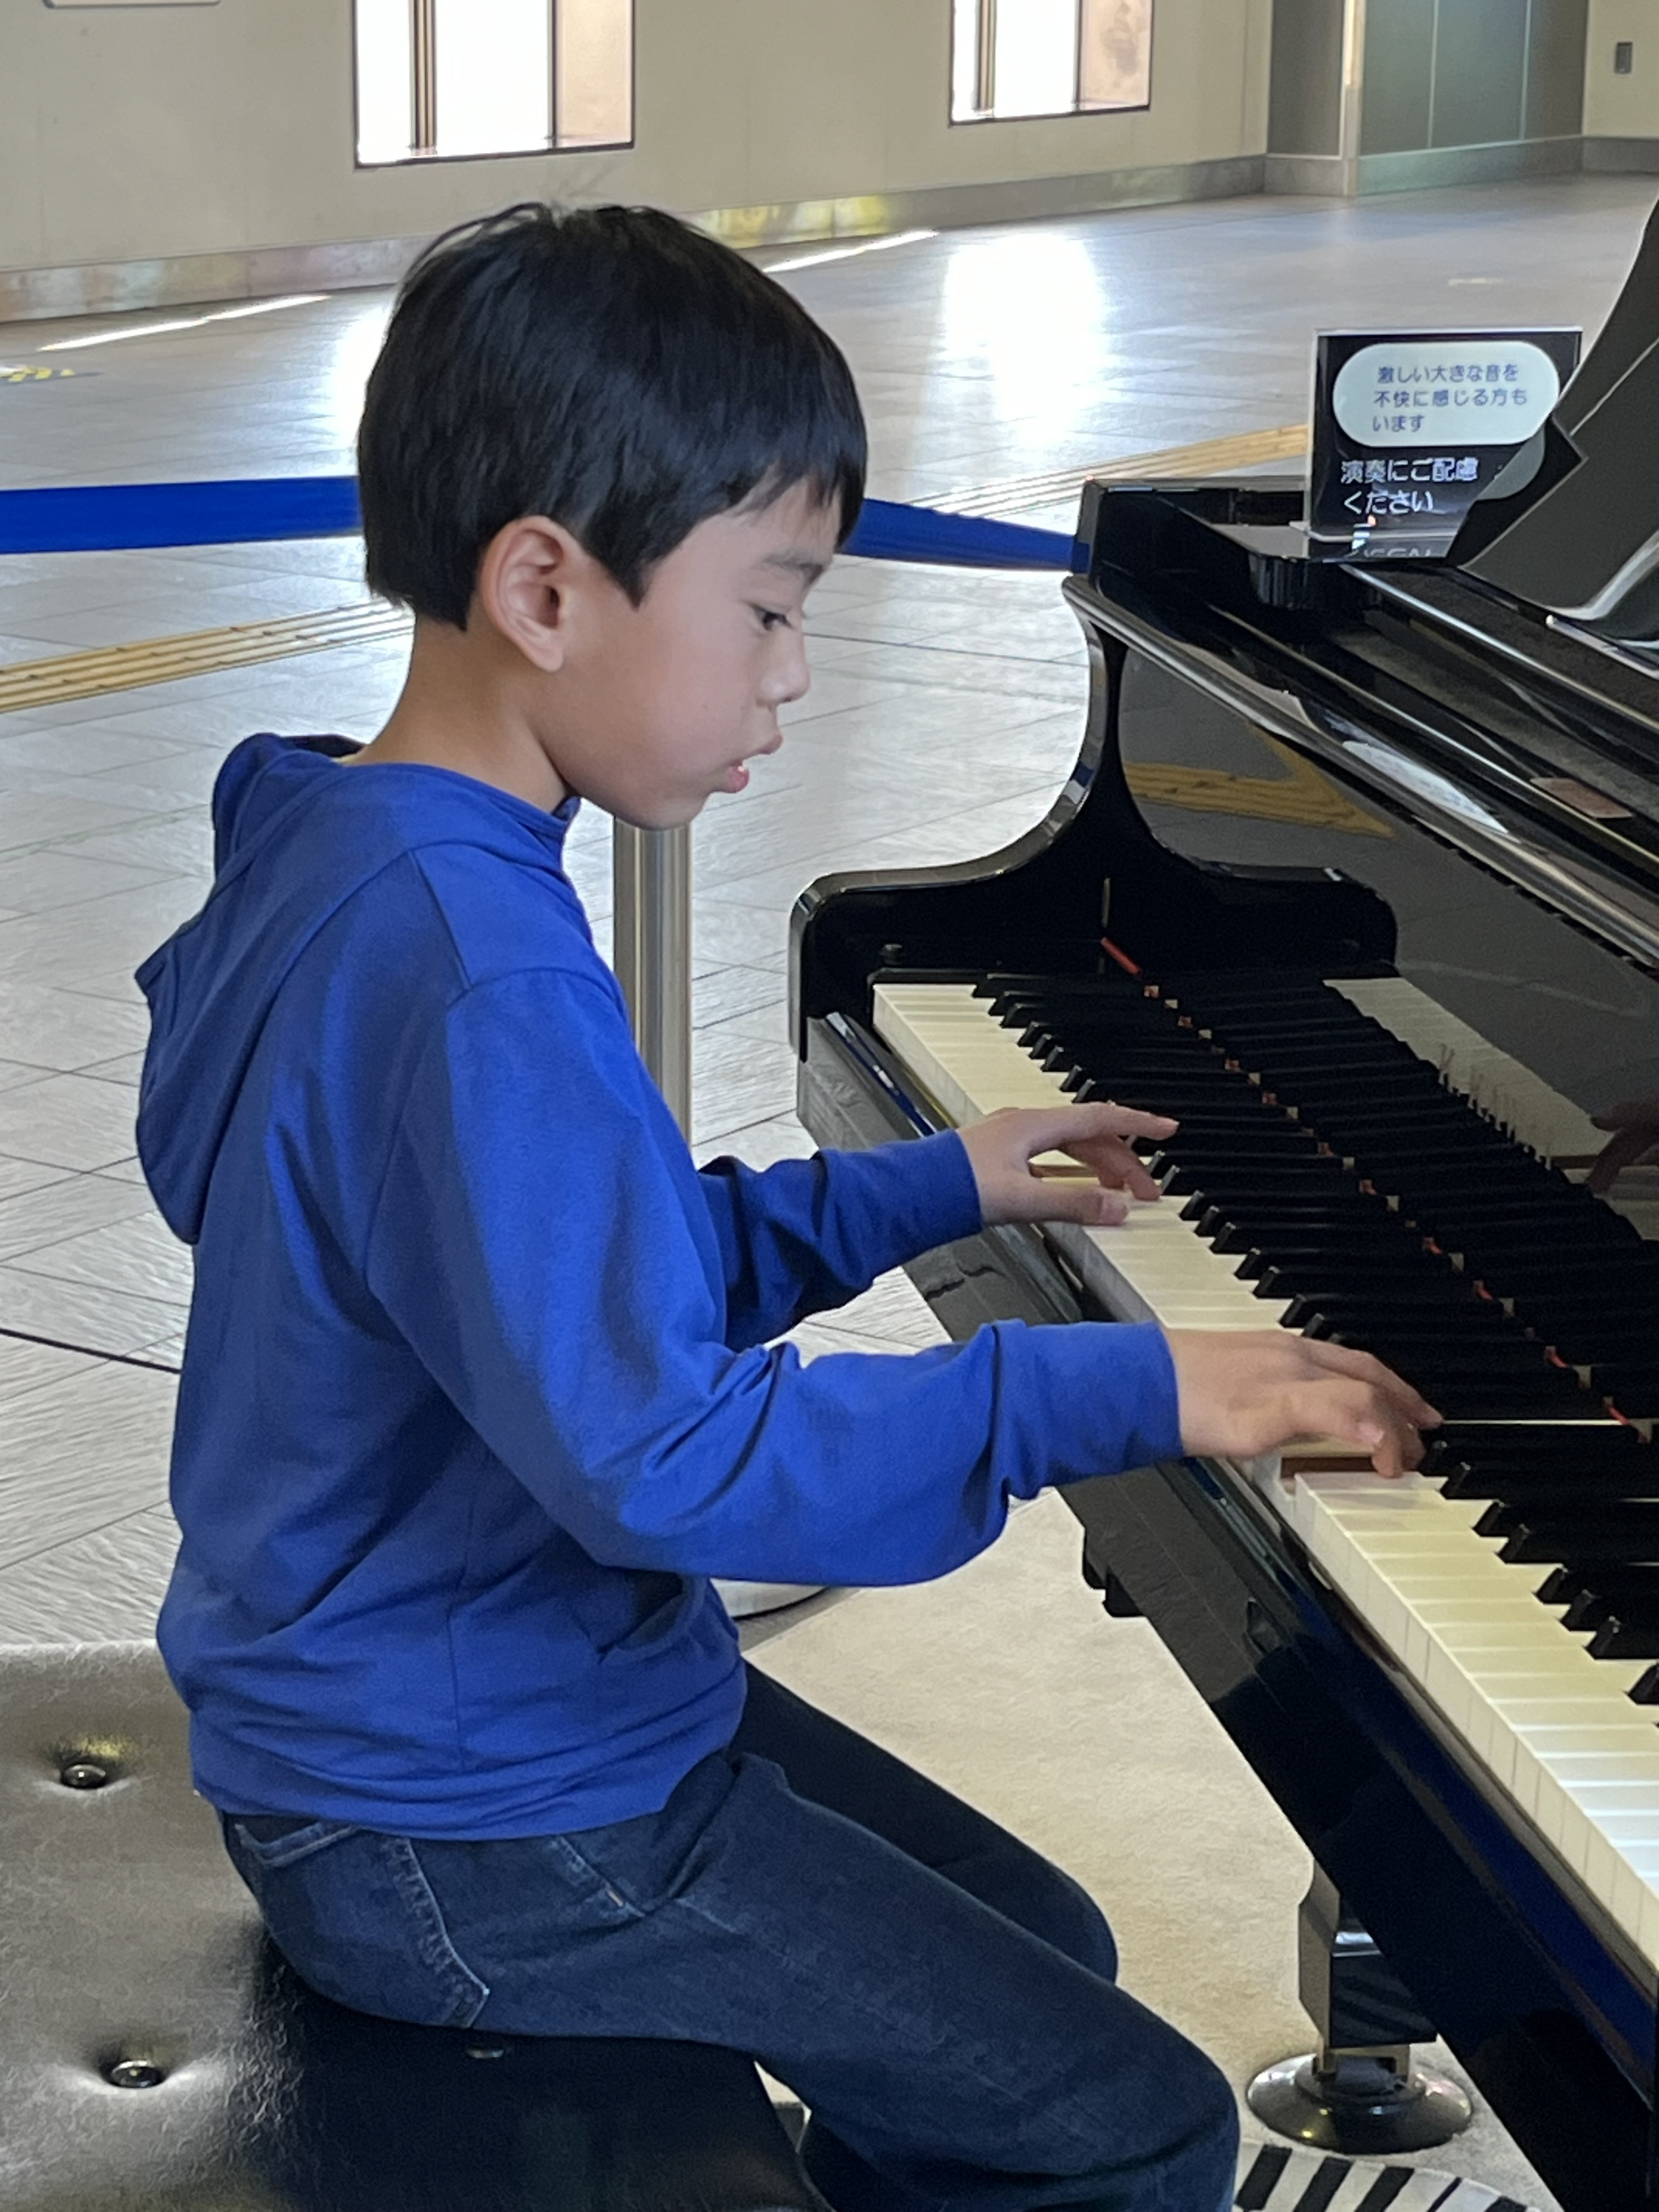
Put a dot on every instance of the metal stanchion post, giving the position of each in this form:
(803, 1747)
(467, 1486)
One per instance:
(651, 871)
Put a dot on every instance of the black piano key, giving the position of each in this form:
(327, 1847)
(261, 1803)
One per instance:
(1539, 1215)
(1381, 1262)
(1585, 1584)
(1551, 1499)
(1591, 1594)
(1634, 1392)
(1619, 1638)
(1533, 1491)
(1541, 1442)
(1493, 1474)
(1271, 1140)
(1247, 1165)
(1532, 1258)
(1599, 1534)
(1252, 1180)
(1357, 1215)
(1328, 1204)
(1384, 1292)
(1586, 1342)
(1408, 1324)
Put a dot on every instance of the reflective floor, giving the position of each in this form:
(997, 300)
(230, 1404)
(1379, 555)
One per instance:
(944, 713)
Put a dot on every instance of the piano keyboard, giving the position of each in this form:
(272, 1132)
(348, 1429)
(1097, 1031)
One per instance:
(1287, 2177)
(1151, 1268)
(1536, 1487)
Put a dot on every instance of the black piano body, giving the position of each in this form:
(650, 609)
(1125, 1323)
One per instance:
(1294, 768)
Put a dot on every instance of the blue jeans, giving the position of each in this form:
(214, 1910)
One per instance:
(941, 1997)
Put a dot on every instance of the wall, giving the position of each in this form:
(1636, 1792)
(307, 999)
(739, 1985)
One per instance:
(1305, 111)
(1472, 73)
(1622, 106)
(137, 134)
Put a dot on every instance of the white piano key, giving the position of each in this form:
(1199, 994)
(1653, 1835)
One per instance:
(1555, 1727)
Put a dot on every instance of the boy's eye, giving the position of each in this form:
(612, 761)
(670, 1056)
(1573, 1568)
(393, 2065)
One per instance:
(770, 618)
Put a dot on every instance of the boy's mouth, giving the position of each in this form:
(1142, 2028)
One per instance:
(737, 776)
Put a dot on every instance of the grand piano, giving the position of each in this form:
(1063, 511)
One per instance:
(1357, 874)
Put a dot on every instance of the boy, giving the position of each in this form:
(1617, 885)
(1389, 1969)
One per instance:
(476, 1395)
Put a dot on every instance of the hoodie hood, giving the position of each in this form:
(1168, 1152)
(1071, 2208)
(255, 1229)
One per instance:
(294, 842)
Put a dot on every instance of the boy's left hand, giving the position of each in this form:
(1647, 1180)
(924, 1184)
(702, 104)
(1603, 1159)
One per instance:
(1002, 1147)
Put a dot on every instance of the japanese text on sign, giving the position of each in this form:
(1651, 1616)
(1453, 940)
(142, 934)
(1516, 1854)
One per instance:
(1447, 392)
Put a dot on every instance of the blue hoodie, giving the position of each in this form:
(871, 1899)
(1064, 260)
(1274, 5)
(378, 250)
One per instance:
(478, 1390)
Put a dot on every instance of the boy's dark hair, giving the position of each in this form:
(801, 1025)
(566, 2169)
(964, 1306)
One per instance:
(609, 367)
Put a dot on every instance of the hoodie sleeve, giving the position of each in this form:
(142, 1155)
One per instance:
(807, 1235)
(533, 1245)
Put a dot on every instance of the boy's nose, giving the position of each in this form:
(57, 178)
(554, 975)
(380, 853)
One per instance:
(789, 678)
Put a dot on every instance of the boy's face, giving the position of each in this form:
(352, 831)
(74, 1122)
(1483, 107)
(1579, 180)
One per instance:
(655, 707)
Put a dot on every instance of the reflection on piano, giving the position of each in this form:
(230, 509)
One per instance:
(1412, 1035)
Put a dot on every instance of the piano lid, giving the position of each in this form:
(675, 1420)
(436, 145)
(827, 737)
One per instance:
(1527, 742)
(1572, 524)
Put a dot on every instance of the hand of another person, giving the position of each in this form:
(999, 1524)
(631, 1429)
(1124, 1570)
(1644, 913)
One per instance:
(1257, 1391)
(1002, 1147)
(1634, 1143)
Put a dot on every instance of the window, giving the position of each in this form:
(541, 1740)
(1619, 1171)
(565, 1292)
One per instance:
(439, 80)
(1049, 57)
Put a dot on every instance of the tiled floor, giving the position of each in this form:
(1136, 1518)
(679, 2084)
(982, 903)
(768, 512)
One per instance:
(944, 713)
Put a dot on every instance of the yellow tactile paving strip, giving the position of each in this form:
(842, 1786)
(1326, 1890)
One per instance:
(1209, 457)
(200, 653)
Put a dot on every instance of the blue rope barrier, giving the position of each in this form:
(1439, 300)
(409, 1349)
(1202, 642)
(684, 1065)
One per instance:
(112, 518)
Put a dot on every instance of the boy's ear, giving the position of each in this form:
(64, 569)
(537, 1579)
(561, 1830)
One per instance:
(527, 579)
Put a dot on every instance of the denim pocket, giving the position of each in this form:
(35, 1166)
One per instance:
(354, 1915)
(298, 1841)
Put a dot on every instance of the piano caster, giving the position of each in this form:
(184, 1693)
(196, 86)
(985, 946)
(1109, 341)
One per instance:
(1366, 2104)
(1358, 2091)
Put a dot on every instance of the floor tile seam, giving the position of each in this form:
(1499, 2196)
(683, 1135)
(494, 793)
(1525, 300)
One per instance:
(14, 1394)
(68, 843)
(95, 1072)
(47, 1073)
(68, 848)
(969, 653)
(858, 1340)
(28, 1263)
(150, 877)
(78, 906)
(96, 1355)
(43, 1073)
(947, 685)
(945, 654)
(14, 1255)
(32, 1160)
(703, 1139)
(10, 1560)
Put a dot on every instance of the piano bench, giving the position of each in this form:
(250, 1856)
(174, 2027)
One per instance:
(158, 2055)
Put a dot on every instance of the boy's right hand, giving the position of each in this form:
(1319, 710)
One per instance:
(1256, 1390)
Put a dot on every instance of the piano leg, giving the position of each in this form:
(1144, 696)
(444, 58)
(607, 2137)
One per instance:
(1357, 2092)
(1112, 1596)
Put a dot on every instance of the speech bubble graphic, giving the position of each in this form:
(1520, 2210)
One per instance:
(1445, 394)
